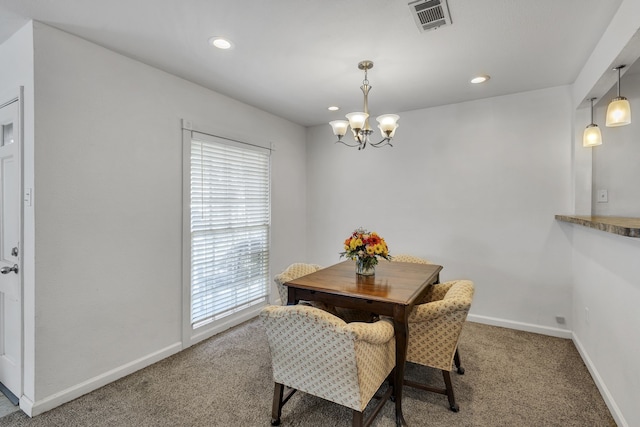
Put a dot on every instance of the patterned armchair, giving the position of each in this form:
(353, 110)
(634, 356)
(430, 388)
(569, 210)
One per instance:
(318, 353)
(300, 269)
(410, 258)
(434, 332)
(294, 271)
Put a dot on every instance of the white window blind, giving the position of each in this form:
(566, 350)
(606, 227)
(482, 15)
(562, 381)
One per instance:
(230, 217)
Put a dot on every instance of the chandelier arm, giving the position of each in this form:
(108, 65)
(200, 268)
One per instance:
(383, 143)
(348, 145)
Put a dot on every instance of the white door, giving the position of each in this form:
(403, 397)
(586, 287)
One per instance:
(10, 250)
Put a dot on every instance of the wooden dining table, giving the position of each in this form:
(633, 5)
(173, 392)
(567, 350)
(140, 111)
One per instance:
(393, 291)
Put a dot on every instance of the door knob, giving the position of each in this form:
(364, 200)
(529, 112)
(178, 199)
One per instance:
(7, 270)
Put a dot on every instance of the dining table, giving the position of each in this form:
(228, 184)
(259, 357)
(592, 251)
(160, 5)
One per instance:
(392, 291)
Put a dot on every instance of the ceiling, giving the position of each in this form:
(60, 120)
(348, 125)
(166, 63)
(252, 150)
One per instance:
(294, 58)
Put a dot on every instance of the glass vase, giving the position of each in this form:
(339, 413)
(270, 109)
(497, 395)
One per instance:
(365, 268)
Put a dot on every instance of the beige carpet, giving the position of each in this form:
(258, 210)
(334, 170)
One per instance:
(512, 378)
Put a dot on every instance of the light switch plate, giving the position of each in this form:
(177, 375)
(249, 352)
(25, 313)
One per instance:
(603, 196)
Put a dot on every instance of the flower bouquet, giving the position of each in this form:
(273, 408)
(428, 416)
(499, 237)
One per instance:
(364, 248)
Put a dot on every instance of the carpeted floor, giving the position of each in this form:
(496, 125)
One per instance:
(512, 378)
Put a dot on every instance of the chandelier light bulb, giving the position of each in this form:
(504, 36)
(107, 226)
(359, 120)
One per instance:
(388, 123)
(384, 133)
(356, 120)
(339, 127)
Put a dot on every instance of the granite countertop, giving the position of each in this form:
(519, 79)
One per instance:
(624, 226)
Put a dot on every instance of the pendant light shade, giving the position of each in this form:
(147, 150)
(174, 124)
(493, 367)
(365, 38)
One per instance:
(619, 110)
(592, 135)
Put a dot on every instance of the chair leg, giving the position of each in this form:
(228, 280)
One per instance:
(357, 418)
(276, 409)
(452, 400)
(456, 360)
(391, 381)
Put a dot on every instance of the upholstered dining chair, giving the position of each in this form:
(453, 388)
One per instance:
(300, 269)
(317, 353)
(410, 258)
(434, 333)
(292, 272)
(435, 293)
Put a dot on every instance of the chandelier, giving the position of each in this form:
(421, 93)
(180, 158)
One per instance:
(359, 121)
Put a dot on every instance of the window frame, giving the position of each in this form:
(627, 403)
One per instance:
(191, 335)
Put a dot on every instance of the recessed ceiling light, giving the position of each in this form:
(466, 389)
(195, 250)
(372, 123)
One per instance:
(333, 108)
(220, 42)
(480, 79)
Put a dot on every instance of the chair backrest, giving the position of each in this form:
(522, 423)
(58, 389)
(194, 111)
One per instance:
(410, 258)
(435, 327)
(292, 272)
(318, 353)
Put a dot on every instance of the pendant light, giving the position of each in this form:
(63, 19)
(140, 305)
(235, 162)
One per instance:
(359, 121)
(619, 110)
(592, 135)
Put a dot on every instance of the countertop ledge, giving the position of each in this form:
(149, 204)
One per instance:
(624, 226)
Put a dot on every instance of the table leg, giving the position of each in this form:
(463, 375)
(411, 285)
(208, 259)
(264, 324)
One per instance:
(400, 322)
(291, 296)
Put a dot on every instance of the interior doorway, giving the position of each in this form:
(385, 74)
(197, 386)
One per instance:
(10, 250)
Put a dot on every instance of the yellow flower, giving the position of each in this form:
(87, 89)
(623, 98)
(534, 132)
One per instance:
(365, 245)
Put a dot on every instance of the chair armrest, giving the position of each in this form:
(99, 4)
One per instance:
(301, 310)
(375, 333)
(433, 310)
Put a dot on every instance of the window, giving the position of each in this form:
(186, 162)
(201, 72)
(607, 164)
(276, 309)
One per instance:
(230, 218)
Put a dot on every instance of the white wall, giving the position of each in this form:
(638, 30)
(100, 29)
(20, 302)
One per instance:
(471, 186)
(606, 289)
(615, 162)
(605, 313)
(16, 57)
(108, 208)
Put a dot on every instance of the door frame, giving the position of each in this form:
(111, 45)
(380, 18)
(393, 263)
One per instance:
(6, 100)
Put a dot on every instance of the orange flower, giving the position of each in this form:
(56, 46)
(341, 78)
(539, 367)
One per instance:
(365, 246)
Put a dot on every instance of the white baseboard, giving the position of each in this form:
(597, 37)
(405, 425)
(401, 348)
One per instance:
(560, 333)
(38, 407)
(208, 331)
(604, 391)
(520, 326)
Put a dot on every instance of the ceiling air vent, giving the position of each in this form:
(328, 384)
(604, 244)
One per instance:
(430, 14)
